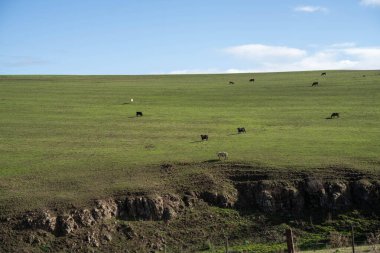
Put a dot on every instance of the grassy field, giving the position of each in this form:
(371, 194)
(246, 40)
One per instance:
(277, 248)
(71, 138)
(358, 249)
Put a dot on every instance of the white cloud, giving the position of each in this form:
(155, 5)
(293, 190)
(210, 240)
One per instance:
(265, 51)
(336, 56)
(343, 44)
(194, 71)
(310, 9)
(273, 59)
(370, 2)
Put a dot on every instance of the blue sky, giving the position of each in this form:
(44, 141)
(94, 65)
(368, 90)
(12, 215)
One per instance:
(188, 36)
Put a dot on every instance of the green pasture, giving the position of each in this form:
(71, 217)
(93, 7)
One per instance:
(77, 137)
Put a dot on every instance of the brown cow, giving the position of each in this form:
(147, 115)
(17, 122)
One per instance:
(204, 137)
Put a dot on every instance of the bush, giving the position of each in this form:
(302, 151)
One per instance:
(373, 240)
(337, 240)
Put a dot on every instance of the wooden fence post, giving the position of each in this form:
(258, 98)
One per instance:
(353, 239)
(289, 240)
(226, 244)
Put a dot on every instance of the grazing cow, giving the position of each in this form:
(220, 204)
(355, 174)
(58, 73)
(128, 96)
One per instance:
(241, 130)
(222, 155)
(204, 137)
(139, 114)
(334, 115)
(323, 74)
(252, 80)
(315, 84)
(231, 82)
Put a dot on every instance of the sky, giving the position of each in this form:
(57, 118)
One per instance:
(187, 36)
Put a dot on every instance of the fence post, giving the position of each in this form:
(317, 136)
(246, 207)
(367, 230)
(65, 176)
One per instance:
(353, 239)
(226, 244)
(289, 240)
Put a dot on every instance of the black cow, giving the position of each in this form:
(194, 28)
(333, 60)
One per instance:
(323, 74)
(139, 114)
(231, 82)
(252, 80)
(334, 115)
(241, 130)
(204, 137)
(315, 84)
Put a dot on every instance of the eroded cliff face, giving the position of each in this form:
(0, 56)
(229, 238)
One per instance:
(307, 196)
(296, 198)
(150, 207)
(96, 226)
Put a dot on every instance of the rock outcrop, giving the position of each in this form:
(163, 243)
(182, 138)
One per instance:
(308, 195)
(106, 221)
(151, 207)
(44, 220)
(220, 199)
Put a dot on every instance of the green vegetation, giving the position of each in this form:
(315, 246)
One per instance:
(359, 249)
(258, 248)
(74, 138)
(257, 233)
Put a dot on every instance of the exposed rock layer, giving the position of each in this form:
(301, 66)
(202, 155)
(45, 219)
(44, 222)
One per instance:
(246, 190)
(308, 196)
(132, 208)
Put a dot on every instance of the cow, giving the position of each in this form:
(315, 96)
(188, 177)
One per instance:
(315, 84)
(334, 115)
(139, 114)
(241, 130)
(323, 74)
(204, 137)
(252, 80)
(231, 82)
(222, 155)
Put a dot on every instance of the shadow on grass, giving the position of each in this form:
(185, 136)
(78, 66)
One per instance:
(233, 134)
(125, 103)
(211, 161)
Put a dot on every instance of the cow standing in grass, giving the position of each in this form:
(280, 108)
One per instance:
(241, 130)
(315, 84)
(231, 82)
(334, 115)
(252, 80)
(139, 114)
(222, 155)
(204, 137)
(323, 74)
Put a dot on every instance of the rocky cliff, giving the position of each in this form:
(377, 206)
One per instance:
(299, 195)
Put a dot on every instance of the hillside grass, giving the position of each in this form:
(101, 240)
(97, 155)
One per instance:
(358, 249)
(72, 138)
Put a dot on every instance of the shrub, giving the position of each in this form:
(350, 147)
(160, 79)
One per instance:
(337, 240)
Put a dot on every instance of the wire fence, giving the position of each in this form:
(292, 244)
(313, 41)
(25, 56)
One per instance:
(337, 243)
